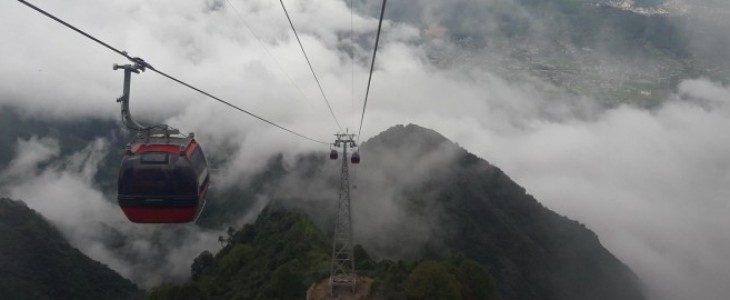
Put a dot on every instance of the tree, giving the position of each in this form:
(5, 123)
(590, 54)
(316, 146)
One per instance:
(477, 283)
(204, 261)
(431, 280)
(287, 282)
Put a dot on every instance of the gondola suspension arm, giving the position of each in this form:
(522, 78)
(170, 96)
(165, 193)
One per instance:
(138, 65)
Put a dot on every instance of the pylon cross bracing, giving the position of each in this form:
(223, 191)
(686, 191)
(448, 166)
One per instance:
(342, 269)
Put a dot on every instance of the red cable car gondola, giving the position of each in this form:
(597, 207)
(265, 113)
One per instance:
(164, 176)
(163, 180)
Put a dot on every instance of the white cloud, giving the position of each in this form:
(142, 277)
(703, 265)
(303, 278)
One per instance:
(64, 193)
(653, 185)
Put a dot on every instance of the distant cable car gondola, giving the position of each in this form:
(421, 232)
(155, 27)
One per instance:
(333, 154)
(355, 159)
(163, 176)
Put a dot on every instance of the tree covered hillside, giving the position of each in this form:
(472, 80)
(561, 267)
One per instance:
(38, 263)
(421, 205)
(457, 220)
(479, 212)
(284, 253)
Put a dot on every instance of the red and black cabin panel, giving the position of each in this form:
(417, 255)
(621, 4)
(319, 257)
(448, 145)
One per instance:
(163, 182)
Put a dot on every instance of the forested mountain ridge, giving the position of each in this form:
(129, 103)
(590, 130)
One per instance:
(475, 214)
(275, 258)
(284, 253)
(468, 207)
(38, 263)
(71, 135)
(479, 212)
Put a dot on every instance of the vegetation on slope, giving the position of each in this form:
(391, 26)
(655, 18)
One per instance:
(72, 136)
(38, 263)
(275, 258)
(284, 253)
(481, 213)
(477, 213)
(453, 277)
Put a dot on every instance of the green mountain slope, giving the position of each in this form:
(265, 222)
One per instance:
(275, 258)
(72, 136)
(38, 263)
(283, 253)
(478, 217)
(481, 213)
(473, 210)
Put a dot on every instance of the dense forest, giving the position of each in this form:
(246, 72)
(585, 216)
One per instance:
(485, 237)
(481, 221)
(38, 263)
(283, 253)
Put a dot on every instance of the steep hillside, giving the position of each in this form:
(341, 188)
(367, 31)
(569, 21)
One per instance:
(38, 263)
(283, 254)
(275, 258)
(72, 136)
(451, 211)
(481, 213)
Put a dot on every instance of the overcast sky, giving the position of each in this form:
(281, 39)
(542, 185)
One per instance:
(653, 184)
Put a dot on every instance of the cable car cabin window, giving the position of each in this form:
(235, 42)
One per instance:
(158, 182)
(161, 158)
(153, 178)
(198, 161)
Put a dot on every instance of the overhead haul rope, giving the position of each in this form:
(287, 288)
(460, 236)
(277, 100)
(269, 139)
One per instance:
(266, 49)
(352, 58)
(148, 66)
(310, 65)
(372, 67)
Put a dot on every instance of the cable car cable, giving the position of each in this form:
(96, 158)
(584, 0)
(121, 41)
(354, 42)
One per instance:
(148, 66)
(310, 64)
(263, 46)
(122, 53)
(352, 58)
(372, 67)
(236, 107)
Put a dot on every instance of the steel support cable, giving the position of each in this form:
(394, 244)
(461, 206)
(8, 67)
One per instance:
(148, 66)
(236, 107)
(372, 67)
(75, 29)
(261, 43)
(332, 112)
(352, 58)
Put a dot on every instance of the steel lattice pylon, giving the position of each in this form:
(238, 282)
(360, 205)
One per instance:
(342, 269)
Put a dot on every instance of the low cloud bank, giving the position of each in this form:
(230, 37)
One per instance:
(62, 190)
(653, 184)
